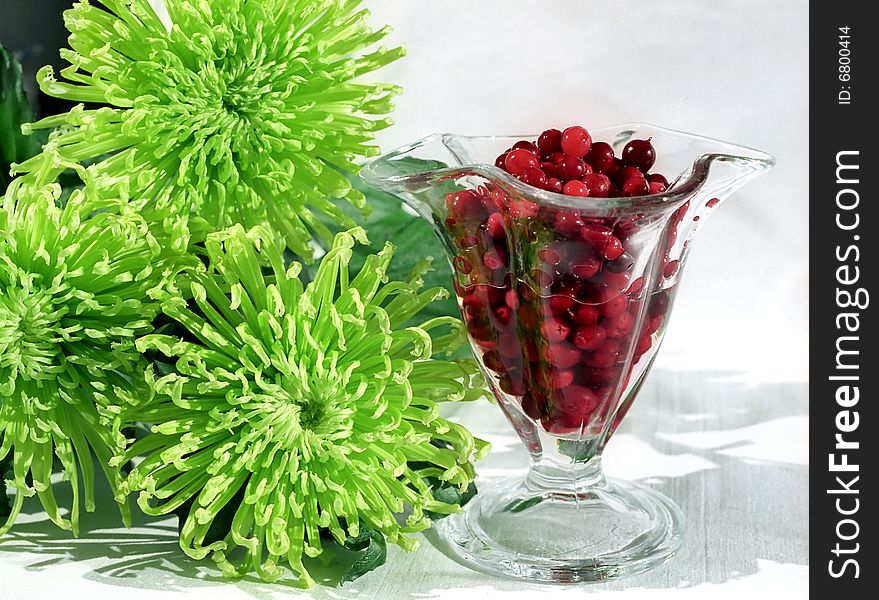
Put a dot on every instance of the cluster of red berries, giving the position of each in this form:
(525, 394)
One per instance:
(562, 325)
(569, 162)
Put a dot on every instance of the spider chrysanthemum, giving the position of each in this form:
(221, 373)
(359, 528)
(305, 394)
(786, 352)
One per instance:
(78, 285)
(241, 111)
(314, 405)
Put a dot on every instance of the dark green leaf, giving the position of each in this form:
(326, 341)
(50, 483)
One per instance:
(374, 552)
(5, 472)
(14, 111)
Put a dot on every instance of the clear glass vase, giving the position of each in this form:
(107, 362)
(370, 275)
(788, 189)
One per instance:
(566, 301)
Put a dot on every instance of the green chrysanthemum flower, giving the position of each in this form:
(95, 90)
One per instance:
(313, 403)
(78, 285)
(244, 111)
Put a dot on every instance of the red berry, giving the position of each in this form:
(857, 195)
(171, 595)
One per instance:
(626, 173)
(575, 400)
(556, 157)
(670, 268)
(462, 265)
(585, 267)
(635, 186)
(576, 141)
(518, 160)
(465, 206)
(613, 249)
(549, 168)
(600, 156)
(568, 224)
(657, 178)
(501, 161)
(531, 407)
(639, 154)
(508, 346)
(596, 235)
(560, 378)
(598, 184)
(561, 305)
(550, 141)
(656, 187)
(555, 184)
(575, 187)
(620, 325)
(613, 303)
(530, 147)
(589, 337)
(495, 226)
(549, 256)
(571, 168)
(503, 314)
(586, 314)
(493, 260)
(562, 355)
(555, 331)
(534, 176)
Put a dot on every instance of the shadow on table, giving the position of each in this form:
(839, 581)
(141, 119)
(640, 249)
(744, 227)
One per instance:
(743, 504)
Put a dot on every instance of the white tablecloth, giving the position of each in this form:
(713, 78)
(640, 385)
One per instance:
(721, 425)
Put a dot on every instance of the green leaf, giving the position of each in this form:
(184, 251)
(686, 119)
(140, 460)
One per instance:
(14, 111)
(374, 552)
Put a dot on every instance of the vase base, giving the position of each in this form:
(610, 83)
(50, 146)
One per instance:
(610, 530)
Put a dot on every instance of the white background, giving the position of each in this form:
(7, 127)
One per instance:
(733, 70)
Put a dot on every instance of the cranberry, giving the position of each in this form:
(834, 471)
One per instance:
(523, 209)
(644, 344)
(658, 304)
(511, 299)
(562, 355)
(586, 314)
(670, 268)
(624, 262)
(635, 186)
(585, 267)
(556, 157)
(613, 249)
(589, 337)
(550, 169)
(531, 407)
(529, 146)
(713, 202)
(555, 184)
(603, 359)
(561, 305)
(619, 326)
(600, 156)
(640, 154)
(503, 314)
(549, 256)
(616, 281)
(534, 176)
(611, 169)
(519, 159)
(596, 235)
(560, 378)
(501, 161)
(493, 260)
(576, 141)
(575, 400)
(657, 178)
(495, 226)
(636, 287)
(575, 187)
(462, 265)
(555, 331)
(568, 224)
(541, 278)
(465, 206)
(626, 173)
(571, 168)
(655, 187)
(550, 141)
(598, 184)
(613, 303)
